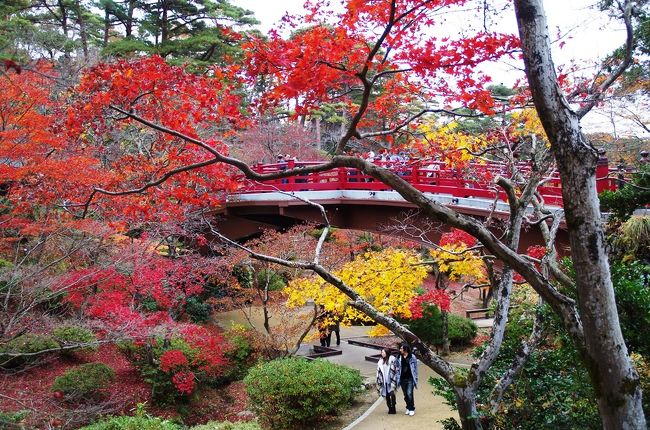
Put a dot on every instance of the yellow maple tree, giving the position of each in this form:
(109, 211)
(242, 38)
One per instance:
(459, 264)
(387, 279)
(456, 258)
(525, 123)
(454, 145)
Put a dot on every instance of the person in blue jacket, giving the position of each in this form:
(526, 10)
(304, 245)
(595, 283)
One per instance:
(407, 376)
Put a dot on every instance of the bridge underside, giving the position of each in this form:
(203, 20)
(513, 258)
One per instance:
(377, 212)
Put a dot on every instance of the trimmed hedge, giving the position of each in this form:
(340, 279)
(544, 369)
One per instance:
(293, 392)
(133, 423)
(145, 422)
(239, 355)
(275, 281)
(460, 330)
(227, 425)
(26, 344)
(87, 380)
(71, 335)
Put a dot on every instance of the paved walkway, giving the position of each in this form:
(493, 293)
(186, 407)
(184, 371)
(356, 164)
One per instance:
(430, 409)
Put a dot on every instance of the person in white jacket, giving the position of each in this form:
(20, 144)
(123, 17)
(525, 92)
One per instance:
(387, 378)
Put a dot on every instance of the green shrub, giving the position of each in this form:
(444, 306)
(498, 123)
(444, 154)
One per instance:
(292, 392)
(26, 344)
(240, 354)
(274, 280)
(623, 202)
(70, 335)
(13, 419)
(551, 381)
(429, 327)
(87, 380)
(212, 289)
(633, 304)
(149, 304)
(133, 423)
(461, 330)
(244, 275)
(5, 264)
(450, 424)
(198, 310)
(227, 425)
(248, 278)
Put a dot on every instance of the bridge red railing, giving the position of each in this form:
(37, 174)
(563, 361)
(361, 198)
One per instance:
(429, 177)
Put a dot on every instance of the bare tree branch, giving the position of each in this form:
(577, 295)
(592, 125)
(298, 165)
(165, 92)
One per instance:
(596, 95)
(411, 119)
(443, 368)
(519, 361)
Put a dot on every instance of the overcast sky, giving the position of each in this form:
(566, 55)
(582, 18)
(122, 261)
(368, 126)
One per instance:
(589, 34)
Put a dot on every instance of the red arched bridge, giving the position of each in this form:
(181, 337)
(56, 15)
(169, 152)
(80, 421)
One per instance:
(357, 201)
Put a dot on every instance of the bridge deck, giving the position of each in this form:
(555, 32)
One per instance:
(469, 205)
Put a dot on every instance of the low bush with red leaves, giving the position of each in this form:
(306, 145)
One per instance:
(175, 365)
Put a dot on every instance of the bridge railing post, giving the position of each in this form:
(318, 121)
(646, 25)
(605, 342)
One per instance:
(341, 178)
(415, 170)
(603, 181)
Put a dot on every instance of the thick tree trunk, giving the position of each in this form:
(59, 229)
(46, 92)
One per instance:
(107, 26)
(615, 380)
(445, 334)
(83, 33)
(521, 357)
(128, 27)
(466, 402)
(441, 284)
(319, 143)
(164, 24)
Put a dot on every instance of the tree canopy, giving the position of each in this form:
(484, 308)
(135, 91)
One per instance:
(117, 144)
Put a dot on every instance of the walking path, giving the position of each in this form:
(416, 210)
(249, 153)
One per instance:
(430, 409)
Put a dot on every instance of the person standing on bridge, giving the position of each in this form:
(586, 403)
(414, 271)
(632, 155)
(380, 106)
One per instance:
(387, 378)
(282, 165)
(407, 376)
(282, 162)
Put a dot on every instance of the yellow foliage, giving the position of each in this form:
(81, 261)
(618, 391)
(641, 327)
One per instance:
(451, 143)
(379, 331)
(526, 122)
(388, 280)
(459, 264)
(524, 294)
